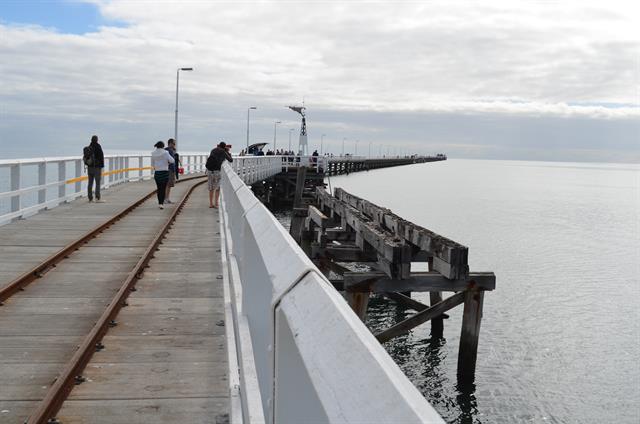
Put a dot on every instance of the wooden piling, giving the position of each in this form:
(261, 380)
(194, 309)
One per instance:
(437, 324)
(468, 350)
(299, 214)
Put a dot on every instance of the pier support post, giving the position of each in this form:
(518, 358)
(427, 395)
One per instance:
(468, 350)
(359, 302)
(299, 215)
(437, 324)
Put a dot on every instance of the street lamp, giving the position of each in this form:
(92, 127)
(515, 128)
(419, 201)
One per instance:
(175, 128)
(290, 130)
(249, 110)
(321, 142)
(275, 124)
(343, 139)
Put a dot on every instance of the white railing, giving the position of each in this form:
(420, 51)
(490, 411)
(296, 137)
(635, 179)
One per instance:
(302, 354)
(255, 168)
(30, 185)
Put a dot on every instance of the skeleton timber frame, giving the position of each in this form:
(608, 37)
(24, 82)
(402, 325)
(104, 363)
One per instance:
(343, 228)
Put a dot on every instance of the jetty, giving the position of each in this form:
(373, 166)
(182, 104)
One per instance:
(120, 312)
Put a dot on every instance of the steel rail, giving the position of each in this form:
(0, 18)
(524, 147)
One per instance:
(72, 372)
(38, 271)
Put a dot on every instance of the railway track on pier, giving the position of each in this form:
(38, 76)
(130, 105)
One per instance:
(56, 316)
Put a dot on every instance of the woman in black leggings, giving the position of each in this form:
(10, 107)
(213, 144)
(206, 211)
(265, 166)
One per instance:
(160, 160)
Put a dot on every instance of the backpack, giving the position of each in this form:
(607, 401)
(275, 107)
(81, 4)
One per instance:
(88, 157)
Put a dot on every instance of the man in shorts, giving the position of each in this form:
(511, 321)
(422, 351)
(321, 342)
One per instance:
(171, 148)
(214, 164)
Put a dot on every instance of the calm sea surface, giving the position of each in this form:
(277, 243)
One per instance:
(560, 336)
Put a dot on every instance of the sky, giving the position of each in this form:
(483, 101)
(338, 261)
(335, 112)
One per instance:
(543, 80)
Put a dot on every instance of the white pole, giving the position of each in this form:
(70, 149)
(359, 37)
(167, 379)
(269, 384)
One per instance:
(274, 135)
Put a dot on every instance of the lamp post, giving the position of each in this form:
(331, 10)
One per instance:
(248, 110)
(275, 124)
(175, 128)
(343, 139)
(322, 142)
(290, 130)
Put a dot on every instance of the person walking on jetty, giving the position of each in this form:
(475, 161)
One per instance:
(173, 168)
(160, 160)
(214, 164)
(93, 158)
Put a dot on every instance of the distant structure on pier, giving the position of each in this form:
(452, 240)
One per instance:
(302, 144)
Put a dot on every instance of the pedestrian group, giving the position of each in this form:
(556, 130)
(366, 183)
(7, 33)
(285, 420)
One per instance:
(166, 166)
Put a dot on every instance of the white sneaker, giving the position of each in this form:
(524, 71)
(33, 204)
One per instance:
(168, 201)
(161, 206)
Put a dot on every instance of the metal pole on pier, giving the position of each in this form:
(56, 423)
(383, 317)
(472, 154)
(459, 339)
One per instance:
(175, 128)
(275, 124)
(248, 110)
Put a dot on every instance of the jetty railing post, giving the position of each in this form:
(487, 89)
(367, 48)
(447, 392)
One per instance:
(42, 180)
(126, 166)
(62, 176)
(140, 166)
(15, 185)
(78, 185)
(468, 350)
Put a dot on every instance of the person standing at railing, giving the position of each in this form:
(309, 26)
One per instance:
(173, 168)
(214, 165)
(160, 160)
(93, 158)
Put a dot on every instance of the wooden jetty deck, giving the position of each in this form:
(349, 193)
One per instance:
(164, 359)
(120, 312)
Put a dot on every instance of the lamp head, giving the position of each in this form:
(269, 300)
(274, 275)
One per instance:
(186, 69)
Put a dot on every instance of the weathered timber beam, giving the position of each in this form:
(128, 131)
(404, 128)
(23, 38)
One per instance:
(453, 257)
(348, 253)
(318, 217)
(408, 302)
(430, 282)
(338, 234)
(421, 317)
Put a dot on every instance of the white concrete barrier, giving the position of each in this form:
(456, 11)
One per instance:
(298, 342)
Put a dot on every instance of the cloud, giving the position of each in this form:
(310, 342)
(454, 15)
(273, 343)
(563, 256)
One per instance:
(507, 62)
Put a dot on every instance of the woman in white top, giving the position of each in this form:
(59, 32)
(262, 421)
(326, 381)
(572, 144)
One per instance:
(160, 160)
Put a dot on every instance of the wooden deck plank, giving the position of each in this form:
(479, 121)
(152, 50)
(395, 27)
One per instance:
(169, 343)
(179, 319)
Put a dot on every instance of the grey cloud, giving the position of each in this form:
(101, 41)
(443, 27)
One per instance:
(477, 81)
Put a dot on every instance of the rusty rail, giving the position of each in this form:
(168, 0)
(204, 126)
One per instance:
(72, 371)
(39, 270)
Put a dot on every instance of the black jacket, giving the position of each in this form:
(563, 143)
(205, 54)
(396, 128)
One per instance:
(216, 158)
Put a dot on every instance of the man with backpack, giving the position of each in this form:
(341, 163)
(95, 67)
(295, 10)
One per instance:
(93, 159)
(214, 164)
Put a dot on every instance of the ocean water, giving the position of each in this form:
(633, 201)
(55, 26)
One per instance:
(560, 335)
